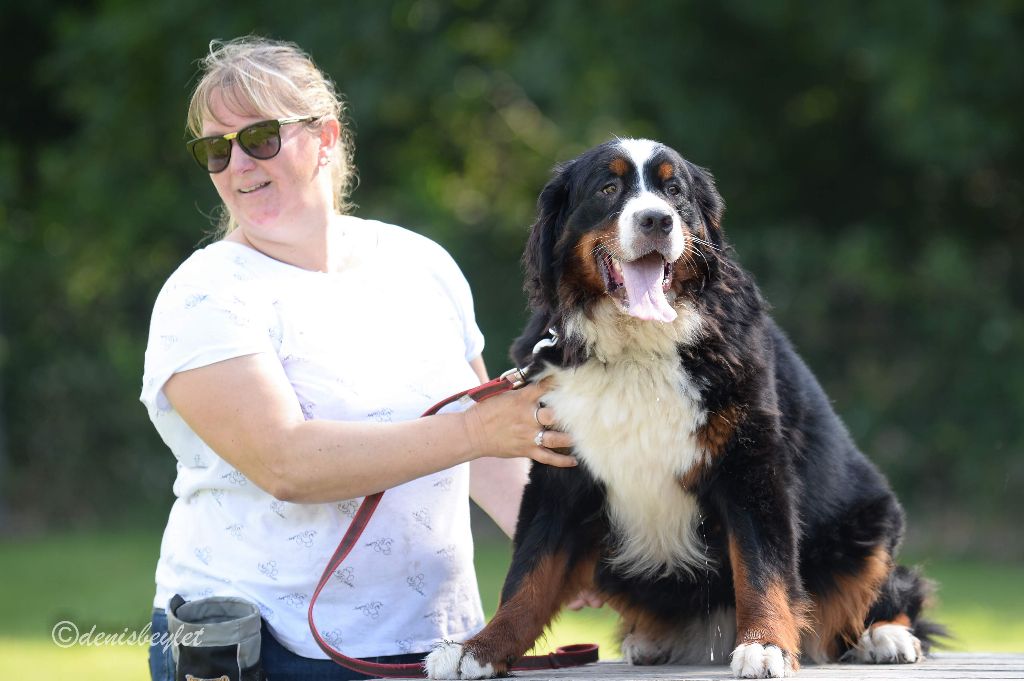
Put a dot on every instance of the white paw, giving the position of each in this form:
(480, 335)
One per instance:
(887, 644)
(755, 661)
(448, 661)
(640, 651)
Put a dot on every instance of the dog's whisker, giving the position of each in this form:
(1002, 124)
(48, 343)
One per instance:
(706, 243)
(724, 261)
(701, 254)
(605, 245)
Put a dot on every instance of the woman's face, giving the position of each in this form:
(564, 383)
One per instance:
(276, 199)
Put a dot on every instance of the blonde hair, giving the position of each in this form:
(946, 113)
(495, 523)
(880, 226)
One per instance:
(262, 77)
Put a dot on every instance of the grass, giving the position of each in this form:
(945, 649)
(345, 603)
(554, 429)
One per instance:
(101, 579)
(106, 580)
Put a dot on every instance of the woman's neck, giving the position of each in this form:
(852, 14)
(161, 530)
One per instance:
(318, 249)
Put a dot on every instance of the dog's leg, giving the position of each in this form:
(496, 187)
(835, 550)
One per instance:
(866, 608)
(768, 617)
(532, 596)
(648, 640)
(841, 606)
(762, 544)
(645, 639)
(554, 558)
(895, 632)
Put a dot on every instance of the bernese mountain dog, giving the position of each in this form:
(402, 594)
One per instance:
(720, 506)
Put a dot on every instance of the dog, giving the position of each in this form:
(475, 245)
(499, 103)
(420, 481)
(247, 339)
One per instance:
(720, 505)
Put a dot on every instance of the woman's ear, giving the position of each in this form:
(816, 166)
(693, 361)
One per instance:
(330, 131)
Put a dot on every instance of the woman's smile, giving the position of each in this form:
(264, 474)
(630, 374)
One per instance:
(255, 187)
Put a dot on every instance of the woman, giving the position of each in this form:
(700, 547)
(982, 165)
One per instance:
(286, 367)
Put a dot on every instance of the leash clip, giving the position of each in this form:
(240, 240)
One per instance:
(546, 342)
(515, 377)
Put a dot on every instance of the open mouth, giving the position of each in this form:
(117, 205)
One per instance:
(639, 285)
(254, 188)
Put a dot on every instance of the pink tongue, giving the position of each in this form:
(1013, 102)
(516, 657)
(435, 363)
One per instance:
(643, 280)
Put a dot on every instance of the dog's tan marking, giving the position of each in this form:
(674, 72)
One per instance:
(839, 614)
(665, 171)
(520, 620)
(902, 619)
(712, 438)
(718, 430)
(582, 278)
(619, 166)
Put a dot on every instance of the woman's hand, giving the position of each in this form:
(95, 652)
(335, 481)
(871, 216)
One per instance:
(585, 598)
(510, 425)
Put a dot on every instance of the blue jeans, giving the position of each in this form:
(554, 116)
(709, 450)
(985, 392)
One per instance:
(279, 663)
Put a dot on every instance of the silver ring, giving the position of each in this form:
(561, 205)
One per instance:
(539, 438)
(536, 415)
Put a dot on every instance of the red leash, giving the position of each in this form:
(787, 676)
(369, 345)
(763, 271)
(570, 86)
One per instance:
(565, 656)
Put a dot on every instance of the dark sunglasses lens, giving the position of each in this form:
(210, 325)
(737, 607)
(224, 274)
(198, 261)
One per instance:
(262, 140)
(212, 154)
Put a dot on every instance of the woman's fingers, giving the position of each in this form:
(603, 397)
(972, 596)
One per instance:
(518, 424)
(549, 440)
(545, 417)
(553, 439)
(550, 458)
(547, 437)
(533, 392)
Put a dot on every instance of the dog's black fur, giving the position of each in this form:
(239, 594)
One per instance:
(799, 529)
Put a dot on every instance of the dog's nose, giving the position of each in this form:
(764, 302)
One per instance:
(653, 222)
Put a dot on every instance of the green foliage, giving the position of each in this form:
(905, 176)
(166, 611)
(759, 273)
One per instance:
(870, 154)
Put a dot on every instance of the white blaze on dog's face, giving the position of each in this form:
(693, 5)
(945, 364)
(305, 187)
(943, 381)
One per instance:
(650, 235)
(646, 213)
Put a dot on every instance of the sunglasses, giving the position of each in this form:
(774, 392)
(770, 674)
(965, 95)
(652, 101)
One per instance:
(260, 140)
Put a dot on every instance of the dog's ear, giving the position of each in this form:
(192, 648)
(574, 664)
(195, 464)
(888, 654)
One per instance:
(539, 257)
(708, 201)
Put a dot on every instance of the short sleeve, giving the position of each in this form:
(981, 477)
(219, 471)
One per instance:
(196, 323)
(473, 336)
(443, 268)
(462, 296)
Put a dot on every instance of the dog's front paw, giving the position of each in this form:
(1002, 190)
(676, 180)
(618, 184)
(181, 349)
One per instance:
(450, 660)
(756, 661)
(886, 644)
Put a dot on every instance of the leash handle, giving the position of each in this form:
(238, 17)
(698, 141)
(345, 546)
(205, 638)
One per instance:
(565, 656)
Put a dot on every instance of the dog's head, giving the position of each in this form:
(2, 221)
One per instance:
(630, 221)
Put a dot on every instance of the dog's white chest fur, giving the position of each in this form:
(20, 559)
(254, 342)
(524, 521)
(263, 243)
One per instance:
(634, 418)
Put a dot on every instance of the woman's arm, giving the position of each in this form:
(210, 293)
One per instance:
(245, 410)
(496, 485)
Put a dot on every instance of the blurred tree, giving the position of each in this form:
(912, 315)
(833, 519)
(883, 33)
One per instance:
(870, 154)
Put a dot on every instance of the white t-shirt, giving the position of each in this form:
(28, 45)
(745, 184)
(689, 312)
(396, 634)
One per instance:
(381, 340)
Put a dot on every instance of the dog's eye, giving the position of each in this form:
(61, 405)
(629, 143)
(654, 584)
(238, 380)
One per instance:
(673, 190)
(609, 189)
